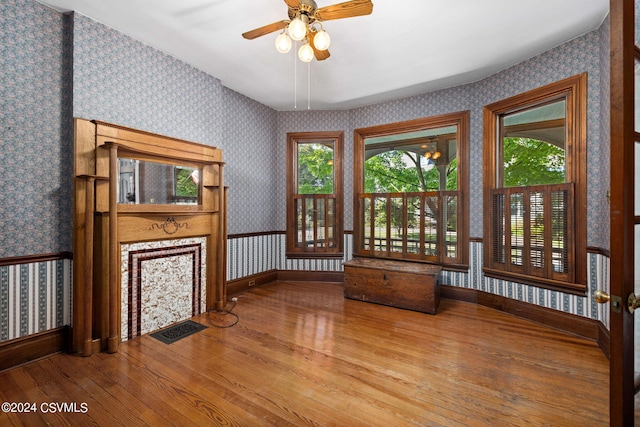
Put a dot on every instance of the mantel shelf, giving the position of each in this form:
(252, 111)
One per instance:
(96, 177)
(163, 209)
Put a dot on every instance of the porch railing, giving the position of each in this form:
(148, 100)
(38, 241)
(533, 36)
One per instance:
(413, 226)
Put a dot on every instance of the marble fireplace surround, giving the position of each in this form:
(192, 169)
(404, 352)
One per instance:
(162, 282)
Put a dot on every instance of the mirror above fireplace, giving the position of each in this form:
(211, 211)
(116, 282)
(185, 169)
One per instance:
(146, 182)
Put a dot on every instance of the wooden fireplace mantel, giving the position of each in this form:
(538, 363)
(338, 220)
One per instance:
(101, 224)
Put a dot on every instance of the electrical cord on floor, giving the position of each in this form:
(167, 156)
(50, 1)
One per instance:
(224, 313)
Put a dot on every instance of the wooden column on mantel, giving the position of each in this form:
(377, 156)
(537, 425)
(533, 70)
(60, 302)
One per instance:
(114, 254)
(89, 193)
(102, 225)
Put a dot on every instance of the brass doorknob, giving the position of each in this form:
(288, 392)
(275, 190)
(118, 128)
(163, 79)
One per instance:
(616, 302)
(601, 296)
(633, 302)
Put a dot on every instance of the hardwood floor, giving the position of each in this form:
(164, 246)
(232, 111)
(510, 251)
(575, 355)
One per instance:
(303, 355)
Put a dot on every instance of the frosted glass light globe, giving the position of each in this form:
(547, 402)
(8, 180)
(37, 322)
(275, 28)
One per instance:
(297, 29)
(305, 53)
(322, 40)
(283, 43)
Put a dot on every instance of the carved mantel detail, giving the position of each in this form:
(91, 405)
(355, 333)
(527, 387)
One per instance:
(170, 226)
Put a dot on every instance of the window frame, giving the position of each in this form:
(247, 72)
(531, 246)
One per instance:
(574, 91)
(462, 121)
(293, 140)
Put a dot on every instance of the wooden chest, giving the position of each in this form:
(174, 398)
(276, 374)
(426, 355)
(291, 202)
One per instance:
(413, 286)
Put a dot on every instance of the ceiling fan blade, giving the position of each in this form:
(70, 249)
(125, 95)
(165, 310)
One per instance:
(344, 10)
(292, 3)
(320, 55)
(258, 32)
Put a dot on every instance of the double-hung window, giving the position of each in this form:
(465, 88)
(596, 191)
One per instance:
(411, 181)
(535, 186)
(314, 195)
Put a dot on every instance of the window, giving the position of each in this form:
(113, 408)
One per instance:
(535, 187)
(411, 182)
(314, 195)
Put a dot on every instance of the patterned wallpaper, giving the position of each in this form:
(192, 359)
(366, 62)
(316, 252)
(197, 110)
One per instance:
(600, 154)
(34, 297)
(55, 67)
(121, 80)
(118, 79)
(577, 56)
(597, 278)
(35, 146)
(250, 150)
(250, 255)
(147, 89)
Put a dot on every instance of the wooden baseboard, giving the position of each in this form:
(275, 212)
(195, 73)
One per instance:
(578, 325)
(603, 339)
(311, 276)
(27, 349)
(243, 284)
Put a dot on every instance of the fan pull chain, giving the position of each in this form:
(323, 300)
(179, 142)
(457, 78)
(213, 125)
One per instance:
(295, 77)
(309, 85)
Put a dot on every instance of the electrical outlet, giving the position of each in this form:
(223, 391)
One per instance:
(252, 282)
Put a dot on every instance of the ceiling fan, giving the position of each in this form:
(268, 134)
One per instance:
(305, 23)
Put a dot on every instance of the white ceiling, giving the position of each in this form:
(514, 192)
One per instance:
(403, 48)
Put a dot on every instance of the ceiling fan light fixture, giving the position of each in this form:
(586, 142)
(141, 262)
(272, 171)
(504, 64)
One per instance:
(283, 43)
(304, 24)
(305, 53)
(322, 40)
(297, 29)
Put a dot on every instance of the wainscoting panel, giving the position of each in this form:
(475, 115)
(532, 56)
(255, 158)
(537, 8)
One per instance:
(250, 255)
(597, 273)
(34, 297)
(315, 264)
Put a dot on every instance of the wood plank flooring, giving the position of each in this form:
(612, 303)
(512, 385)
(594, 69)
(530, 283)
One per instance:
(303, 355)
